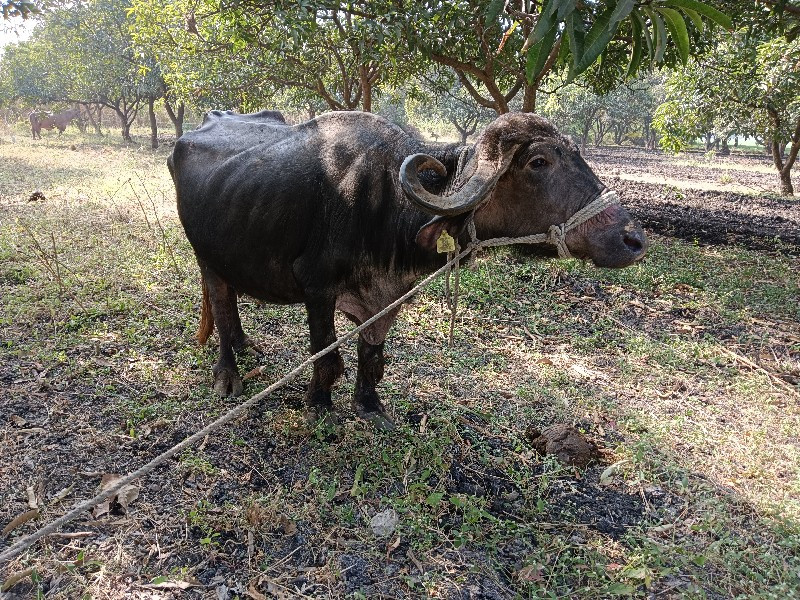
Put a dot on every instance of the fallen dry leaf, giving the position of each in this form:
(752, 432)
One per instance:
(171, 585)
(289, 526)
(60, 495)
(254, 593)
(606, 477)
(123, 497)
(19, 520)
(410, 554)
(392, 547)
(530, 573)
(32, 502)
(15, 579)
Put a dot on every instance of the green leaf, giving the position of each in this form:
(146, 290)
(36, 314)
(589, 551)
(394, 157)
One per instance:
(565, 9)
(637, 18)
(677, 29)
(659, 34)
(543, 25)
(636, 52)
(435, 498)
(493, 11)
(619, 589)
(575, 33)
(712, 13)
(596, 41)
(695, 17)
(537, 55)
(623, 9)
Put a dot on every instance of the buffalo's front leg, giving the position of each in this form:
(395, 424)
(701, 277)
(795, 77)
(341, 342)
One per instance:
(366, 402)
(226, 317)
(327, 369)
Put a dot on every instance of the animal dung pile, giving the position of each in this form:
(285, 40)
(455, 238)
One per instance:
(565, 442)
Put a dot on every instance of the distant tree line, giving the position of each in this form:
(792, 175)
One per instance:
(595, 68)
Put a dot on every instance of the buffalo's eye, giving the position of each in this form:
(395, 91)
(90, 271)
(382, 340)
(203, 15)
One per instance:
(537, 163)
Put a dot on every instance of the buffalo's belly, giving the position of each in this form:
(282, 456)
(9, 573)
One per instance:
(261, 276)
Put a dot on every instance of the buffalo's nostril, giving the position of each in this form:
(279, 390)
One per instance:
(634, 242)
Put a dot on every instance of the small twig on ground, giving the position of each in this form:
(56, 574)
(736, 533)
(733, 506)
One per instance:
(141, 206)
(164, 241)
(51, 264)
(770, 376)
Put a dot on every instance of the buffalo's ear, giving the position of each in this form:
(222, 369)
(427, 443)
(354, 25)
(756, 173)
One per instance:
(428, 234)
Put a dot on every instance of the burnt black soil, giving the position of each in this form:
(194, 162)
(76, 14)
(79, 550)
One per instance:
(763, 223)
(762, 220)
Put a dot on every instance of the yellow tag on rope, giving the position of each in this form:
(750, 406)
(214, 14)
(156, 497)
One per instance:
(445, 243)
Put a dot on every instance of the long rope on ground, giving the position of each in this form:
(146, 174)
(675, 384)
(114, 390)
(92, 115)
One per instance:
(556, 236)
(26, 542)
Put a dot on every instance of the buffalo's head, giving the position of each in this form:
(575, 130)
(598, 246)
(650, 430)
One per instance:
(522, 177)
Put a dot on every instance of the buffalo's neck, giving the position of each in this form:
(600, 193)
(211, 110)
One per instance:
(389, 244)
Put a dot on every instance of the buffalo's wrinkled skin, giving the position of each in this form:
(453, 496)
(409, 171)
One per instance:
(315, 214)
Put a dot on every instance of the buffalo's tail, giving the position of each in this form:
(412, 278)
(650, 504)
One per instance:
(206, 317)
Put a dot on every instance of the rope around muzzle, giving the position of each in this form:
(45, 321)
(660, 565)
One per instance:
(556, 236)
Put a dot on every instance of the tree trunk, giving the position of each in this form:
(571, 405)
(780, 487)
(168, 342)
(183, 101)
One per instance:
(784, 169)
(151, 112)
(786, 183)
(96, 123)
(366, 89)
(724, 149)
(529, 98)
(176, 118)
(124, 124)
(600, 132)
(619, 134)
(585, 135)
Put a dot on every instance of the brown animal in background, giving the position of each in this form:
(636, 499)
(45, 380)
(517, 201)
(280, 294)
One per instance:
(58, 120)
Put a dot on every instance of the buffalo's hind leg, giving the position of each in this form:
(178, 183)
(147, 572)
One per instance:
(327, 369)
(240, 340)
(366, 402)
(226, 317)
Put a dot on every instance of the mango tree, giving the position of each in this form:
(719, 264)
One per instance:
(746, 84)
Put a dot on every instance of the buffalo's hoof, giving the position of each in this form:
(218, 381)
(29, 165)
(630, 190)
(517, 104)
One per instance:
(379, 419)
(322, 417)
(227, 383)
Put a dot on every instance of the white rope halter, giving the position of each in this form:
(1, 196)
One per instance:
(557, 234)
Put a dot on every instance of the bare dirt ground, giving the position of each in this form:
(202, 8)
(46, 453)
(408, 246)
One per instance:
(685, 377)
(711, 200)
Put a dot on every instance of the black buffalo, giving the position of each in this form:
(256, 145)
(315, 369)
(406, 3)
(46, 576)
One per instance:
(328, 214)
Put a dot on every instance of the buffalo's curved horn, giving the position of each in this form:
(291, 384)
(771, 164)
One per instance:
(477, 188)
